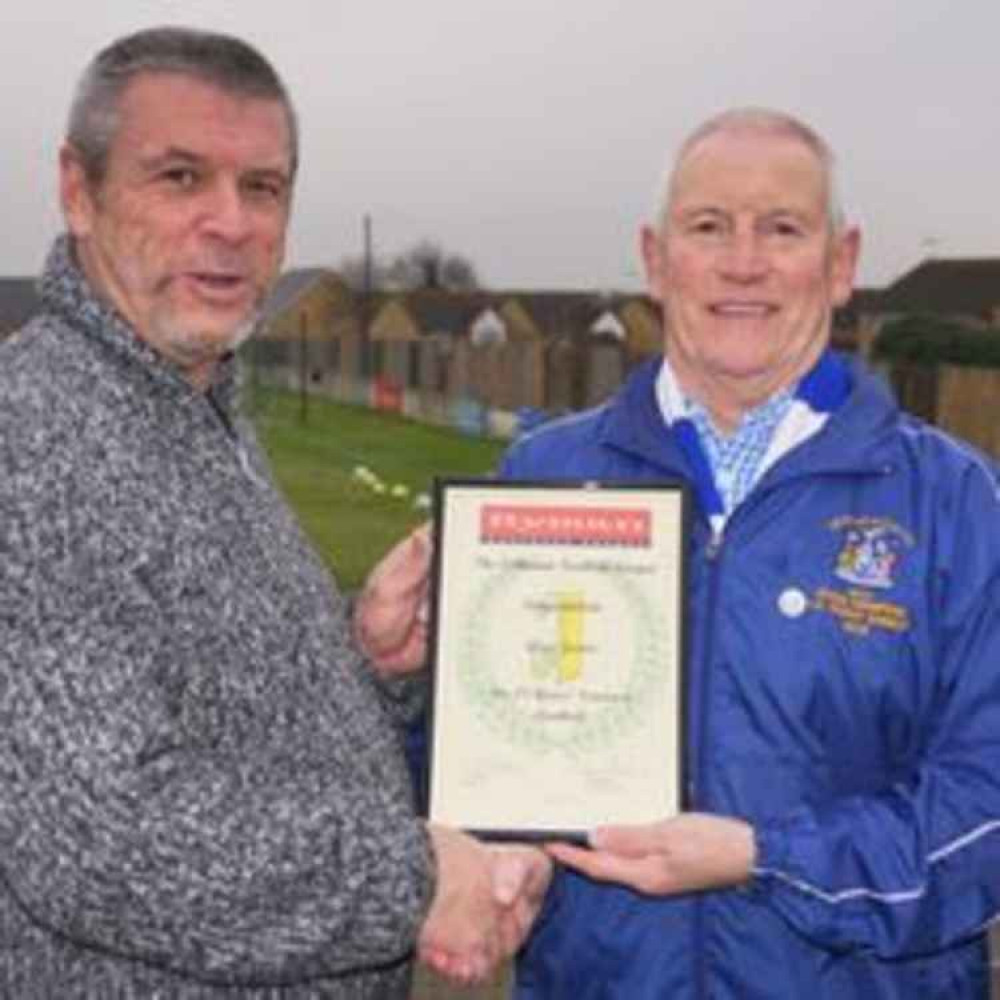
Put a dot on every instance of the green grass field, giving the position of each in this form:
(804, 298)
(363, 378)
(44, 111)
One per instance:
(315, 462)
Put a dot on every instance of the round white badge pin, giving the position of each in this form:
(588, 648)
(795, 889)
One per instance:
(792, 603)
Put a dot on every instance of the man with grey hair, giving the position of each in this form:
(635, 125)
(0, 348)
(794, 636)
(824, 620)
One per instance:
(842, 755)
(202, 791)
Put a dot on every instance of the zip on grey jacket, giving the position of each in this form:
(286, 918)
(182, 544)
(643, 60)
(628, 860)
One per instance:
(202, 790)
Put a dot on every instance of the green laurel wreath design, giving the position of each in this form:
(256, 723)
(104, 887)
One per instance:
(510, 720)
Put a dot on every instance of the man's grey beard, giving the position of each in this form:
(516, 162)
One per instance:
(188, 349)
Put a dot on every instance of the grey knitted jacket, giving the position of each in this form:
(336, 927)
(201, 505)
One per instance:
(202, 793)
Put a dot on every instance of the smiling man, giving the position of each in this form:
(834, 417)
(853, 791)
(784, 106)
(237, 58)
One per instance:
(748, 261)
(843, 691)
(202, 783)
(843, 756)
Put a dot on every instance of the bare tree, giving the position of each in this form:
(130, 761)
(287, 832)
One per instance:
(352, 270)
(424, 265)
(427, 265)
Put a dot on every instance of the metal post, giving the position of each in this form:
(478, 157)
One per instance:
(365, 359)
(303, 372)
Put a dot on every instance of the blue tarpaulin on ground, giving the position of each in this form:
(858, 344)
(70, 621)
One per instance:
(468, 416)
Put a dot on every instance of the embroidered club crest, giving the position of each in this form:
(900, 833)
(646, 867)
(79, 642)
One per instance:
(872, 551)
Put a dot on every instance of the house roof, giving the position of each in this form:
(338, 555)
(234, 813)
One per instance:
(865, 300)
(19, 301)
(564, 312)
(439, 311)
(290, 286)
(436, 310)
(955, 286)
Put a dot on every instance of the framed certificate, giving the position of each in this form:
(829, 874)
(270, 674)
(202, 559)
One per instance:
(557, 637)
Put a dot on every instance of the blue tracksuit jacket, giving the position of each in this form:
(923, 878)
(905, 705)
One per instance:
(843, 696)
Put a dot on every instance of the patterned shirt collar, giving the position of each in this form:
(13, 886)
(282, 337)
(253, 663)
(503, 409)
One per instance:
(736, 458)
(726, 468)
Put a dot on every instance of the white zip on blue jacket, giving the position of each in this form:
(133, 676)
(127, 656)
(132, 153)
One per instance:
(843, 697)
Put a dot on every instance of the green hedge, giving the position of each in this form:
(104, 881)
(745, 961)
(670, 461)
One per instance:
(938, 340)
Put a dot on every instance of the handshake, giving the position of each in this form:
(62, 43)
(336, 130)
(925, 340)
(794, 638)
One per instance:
(487, 896)
(486, 900)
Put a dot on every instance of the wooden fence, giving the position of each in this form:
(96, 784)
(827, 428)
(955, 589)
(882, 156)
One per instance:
(963, 401)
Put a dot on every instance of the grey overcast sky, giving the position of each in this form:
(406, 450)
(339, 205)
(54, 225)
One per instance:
(530, 134)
